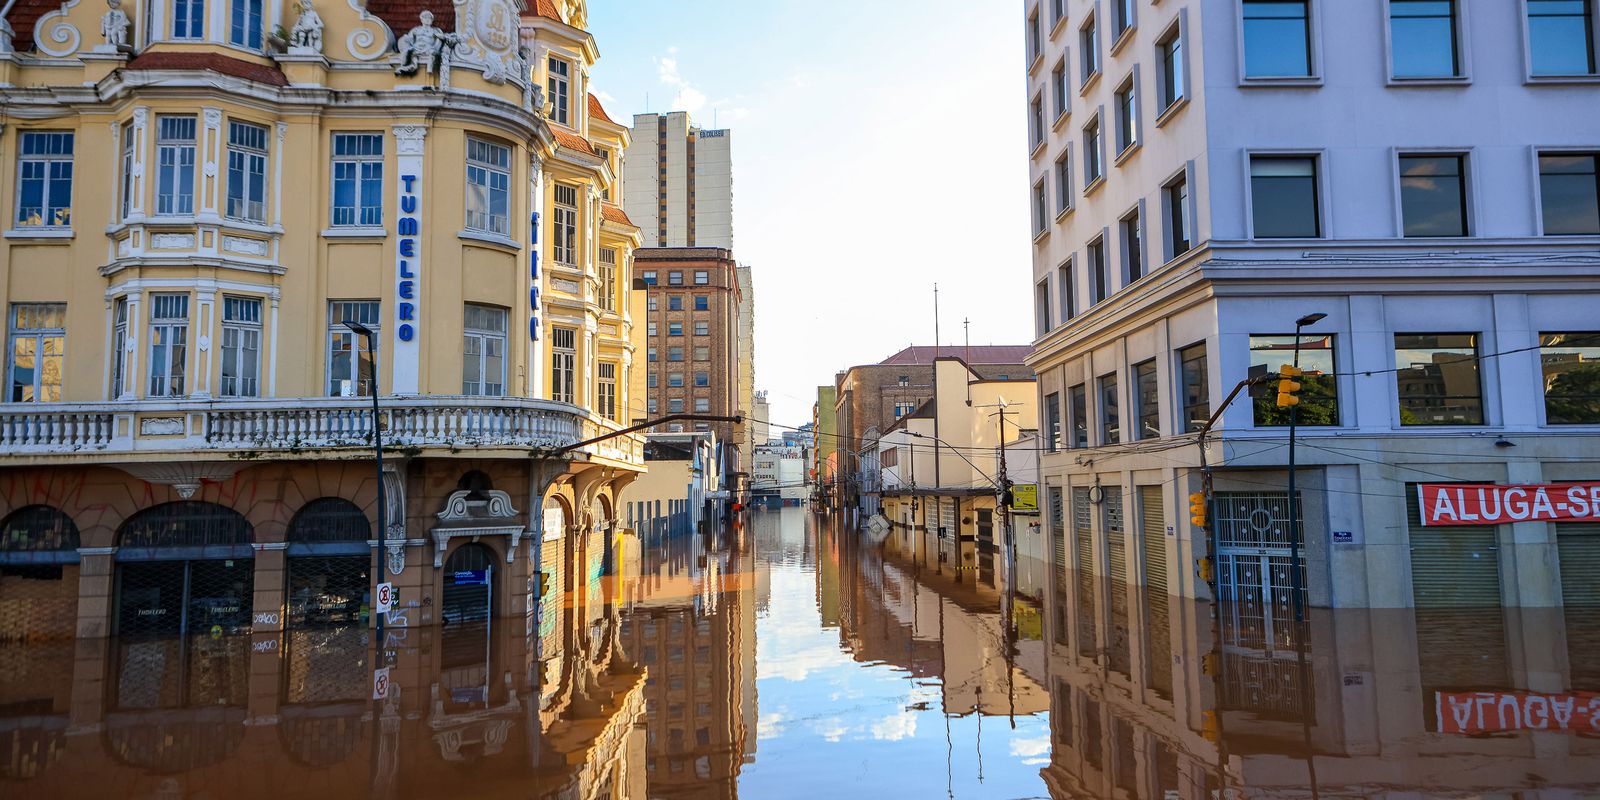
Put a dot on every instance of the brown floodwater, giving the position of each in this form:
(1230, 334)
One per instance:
(786, 657)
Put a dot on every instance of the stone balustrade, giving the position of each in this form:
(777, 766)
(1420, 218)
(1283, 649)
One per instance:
(303, 424)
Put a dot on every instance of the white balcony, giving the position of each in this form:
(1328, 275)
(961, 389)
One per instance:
(303, 427)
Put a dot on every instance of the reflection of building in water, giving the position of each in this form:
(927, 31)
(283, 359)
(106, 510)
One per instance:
(917, 609)
(689, 620)
(1386, 715)
(186, 716)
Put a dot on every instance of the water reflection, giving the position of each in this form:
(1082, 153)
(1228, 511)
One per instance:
(787, 657)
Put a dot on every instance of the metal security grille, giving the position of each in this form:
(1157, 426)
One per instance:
(164, 598)
(329, 591)
(1126, 774)
(467, 585)
(1119, 652)
(1455, 584)
(1158, 631)
(1255, 588)
(1093, 735)
(947, 518)
(1578, 548)
(326, 665)
(1268, 684)
(1083, 562)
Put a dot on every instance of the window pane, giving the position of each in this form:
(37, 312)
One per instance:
(1196, 388)
(1571, 364)
(1078, 397)
(1423, 37)
(1110, 419)
(1149, 398)
(1284, 197)
(1561, 37)
(1276, 39)
(1433, 198)
(1319, 401)
(1570, 193)
(1437, 377)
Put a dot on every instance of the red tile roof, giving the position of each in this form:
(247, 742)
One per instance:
(403, 15)
(546, 9)
(598, 111)
(570, 139)
(22, 18)
(977, 354)
(614, 213)
(216, 62)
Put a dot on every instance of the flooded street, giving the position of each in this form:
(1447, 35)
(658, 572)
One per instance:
(783, 657)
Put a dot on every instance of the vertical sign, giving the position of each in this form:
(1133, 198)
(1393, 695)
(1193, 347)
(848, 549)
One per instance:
(385, 599)
(380, 683)
(405, 313)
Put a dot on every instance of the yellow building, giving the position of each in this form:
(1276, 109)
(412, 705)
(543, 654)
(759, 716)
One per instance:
(199, 196)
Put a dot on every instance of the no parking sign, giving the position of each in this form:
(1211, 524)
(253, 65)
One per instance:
(385, 602)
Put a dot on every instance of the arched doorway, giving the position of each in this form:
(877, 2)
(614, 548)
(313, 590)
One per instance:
(38, 574)
(469, 577)
(327, 608)
(184, 568)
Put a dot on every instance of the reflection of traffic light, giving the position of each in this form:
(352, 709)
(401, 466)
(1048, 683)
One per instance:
(1197, 509)
(1209, 727)
(1207, 571)
(1208, 664)
(1288, 387)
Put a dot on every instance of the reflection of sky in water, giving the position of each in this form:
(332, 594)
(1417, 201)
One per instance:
(833, 726)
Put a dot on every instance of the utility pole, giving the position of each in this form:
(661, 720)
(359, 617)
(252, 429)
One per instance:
(1297, 582)
(966, 338)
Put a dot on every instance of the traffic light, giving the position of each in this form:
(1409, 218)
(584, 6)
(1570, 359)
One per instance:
(1197, 509)
(1288, 386)
(1207, 570)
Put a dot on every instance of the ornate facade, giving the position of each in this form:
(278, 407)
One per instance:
(199, 198)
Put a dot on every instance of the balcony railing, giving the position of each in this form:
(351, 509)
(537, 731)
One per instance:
(297, 425)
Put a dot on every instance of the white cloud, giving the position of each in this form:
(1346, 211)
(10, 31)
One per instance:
(832, 729)
(895, 728)
(770, 726)
(1035, 751)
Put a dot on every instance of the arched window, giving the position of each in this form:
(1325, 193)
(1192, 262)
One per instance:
(184, 530)
(329, 526)
(38, 535)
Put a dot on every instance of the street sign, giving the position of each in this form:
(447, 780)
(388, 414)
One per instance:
(471, 577)
(1025, 497)
(385, 602)
(380, 683)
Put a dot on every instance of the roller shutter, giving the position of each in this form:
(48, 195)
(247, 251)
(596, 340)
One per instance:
(1158, 631)
(1058, 563)
(1455, 584)
(1117, 563)
(1578, 548)
(1083, 562)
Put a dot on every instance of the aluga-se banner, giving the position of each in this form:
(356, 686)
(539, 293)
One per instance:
(1490, 504)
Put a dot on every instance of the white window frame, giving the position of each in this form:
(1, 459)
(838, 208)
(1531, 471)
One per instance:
(368, 313)
(1463, 49)
(564, 225)
(702, 277)
(360, 166)
(1325, 217)
(1313, 44)
(241, 347)
(194, 5)
(564, 364)
(47, 162)
(247, 165)
(260, 24)
(482, 172)
(606, 264)
(559, 87)
(491, 382)
(129, 156)
(1527, 49)
(1538, 179)
(169, 372)
(177, 148)
(39, 336)
(605, 389)
(120, 309)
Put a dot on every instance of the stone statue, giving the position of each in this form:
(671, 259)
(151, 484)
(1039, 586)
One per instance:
(307, 31)
(536, 97)
(423, 45)
(114, 25)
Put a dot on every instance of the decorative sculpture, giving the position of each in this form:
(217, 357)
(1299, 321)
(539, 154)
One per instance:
(423, 45)
(307, 32)
(114, 25)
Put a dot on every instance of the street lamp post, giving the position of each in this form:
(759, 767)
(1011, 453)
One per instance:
(1297, 582)
(377, 452)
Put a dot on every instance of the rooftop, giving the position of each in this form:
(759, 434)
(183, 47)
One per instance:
(923, 355)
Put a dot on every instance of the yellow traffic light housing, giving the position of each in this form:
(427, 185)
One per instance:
(1209, 727)
(1197, 509)
(1208, 571)
(1209, 664)
(1288, 386)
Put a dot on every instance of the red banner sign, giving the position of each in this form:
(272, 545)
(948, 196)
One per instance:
(1487, 504)
(1473, 713)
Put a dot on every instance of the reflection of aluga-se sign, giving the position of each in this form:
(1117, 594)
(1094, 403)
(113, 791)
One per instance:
(1482, 504)
(1474, 713)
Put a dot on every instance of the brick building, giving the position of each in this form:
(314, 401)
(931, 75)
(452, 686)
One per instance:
(691, 298)
(872, 396)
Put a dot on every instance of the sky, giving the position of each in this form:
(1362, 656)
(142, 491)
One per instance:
(879, 147)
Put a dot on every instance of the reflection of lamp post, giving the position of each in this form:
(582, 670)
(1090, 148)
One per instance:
(1297, 583)
(377, 452)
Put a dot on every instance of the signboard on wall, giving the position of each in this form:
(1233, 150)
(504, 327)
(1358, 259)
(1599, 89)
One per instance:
(1474, 713)
(1025, 497)
(1489, 504)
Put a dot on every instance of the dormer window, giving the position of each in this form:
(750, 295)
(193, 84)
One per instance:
(560, 89)
(188, 19)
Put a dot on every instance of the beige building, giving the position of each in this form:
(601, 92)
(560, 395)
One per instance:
(680, 182)
(195, 210)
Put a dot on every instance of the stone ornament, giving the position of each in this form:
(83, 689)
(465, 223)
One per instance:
(114, 26)
(487, 39)
(55, 35)
(307, 31)
(424, 46)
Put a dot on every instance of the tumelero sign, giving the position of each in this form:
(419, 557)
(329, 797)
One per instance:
(1486, 504)
(1474, 713)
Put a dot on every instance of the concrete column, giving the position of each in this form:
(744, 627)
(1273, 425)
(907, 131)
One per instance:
(266, 610)
(95, 585)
